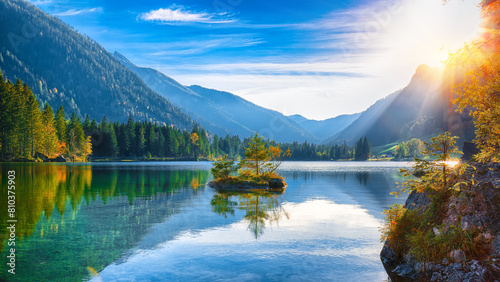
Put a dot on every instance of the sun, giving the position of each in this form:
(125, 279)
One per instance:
(428, 31)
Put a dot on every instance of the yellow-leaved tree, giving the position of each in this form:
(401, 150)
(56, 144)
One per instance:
(479, 93)
(260, 160)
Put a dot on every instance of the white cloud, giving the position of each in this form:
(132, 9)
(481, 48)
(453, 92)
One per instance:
(74, 12)
(41, 2)
(177, 14)
(362, 56)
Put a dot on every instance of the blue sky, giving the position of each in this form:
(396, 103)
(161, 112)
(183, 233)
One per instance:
(319, 58)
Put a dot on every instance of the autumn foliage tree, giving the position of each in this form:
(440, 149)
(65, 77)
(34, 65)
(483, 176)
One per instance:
(27, 131)
(479, 93)
(260, 160)
(256, 154)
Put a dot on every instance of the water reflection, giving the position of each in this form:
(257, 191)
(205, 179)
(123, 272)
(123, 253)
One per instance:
(82, 217)
(259, 208)
(157, 222)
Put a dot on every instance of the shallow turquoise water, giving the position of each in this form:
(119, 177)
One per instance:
(161, 222)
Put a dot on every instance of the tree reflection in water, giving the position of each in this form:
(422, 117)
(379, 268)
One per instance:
(259, 207)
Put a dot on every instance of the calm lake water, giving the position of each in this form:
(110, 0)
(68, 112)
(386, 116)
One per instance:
(161, 222)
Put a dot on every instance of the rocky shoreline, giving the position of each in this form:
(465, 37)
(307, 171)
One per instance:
(475, 210)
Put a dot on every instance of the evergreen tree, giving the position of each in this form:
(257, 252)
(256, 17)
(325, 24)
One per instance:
(49, 145)
(186, 143)
(172, 143)
(86, 126)
(256, 154)
(141, 141)
(160, 144)
(113, 142)
(61, 130)
(215, 146)
(151, 139)
(19, 122)
(107, 143)
(129, 136)
(33, 129)
(76, 137)
(6, 124)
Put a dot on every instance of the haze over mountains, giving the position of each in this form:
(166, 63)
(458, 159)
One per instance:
(421, 109)
(66, 68)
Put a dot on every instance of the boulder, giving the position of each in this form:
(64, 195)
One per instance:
(41, 156)
(277, 183)
(60, 159)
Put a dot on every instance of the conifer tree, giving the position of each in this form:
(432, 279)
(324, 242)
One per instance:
(17, 105)
(61, 130)
(33, 129)
(86, 126)
(160, 144)
(256, 154)
(76, 136)
(151, 139)
(130, 139)
(49, 142)
(141, 141)
(5, 115)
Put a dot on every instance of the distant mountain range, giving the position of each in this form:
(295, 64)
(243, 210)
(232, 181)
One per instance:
(225, 113)
(66, 68)
(323, 129)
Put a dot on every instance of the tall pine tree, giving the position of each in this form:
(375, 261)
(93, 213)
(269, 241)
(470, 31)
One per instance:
(49, 144)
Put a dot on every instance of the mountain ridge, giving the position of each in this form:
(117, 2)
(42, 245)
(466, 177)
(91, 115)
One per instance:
(221, 112)
(70, 69)
(420, 109)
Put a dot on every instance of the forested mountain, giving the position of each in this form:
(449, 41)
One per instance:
(323, 129)
(421, 109)
(66, 68)
(221, 112)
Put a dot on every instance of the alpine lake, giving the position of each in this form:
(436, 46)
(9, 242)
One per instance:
(160, 221)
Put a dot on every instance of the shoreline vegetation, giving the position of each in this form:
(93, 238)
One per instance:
(257, 171)
(448, 229)
(29, 133)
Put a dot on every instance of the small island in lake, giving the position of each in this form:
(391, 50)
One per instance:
(257, 171)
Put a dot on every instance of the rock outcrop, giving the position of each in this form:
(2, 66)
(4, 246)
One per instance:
(60, 159)
(273, 185)
(277, 183)
(475, 210)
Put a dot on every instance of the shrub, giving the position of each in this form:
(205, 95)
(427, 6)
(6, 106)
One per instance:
(223, 167)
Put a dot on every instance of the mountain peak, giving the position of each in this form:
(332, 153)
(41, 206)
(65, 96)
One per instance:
(121, 57)
(427, 74)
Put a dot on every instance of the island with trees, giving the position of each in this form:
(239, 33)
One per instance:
(257, 171)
